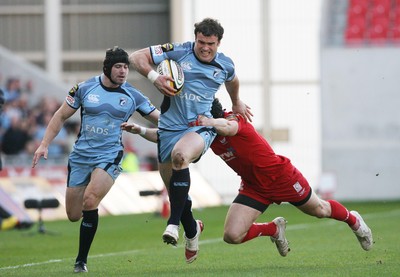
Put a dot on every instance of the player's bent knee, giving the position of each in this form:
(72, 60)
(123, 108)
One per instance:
(90, 202)
(179, 160)
(231, 238)
(74, 217)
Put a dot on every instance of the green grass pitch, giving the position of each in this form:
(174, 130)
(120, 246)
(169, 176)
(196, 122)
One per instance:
(131, 245)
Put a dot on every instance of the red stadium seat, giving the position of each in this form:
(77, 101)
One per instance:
(378, 32)
(380, 10)
(395, 33)
(381, 2)
(357, 9)
(382, 21)
(373, 21)
(395, 15)
(355, 31)
(355, 2)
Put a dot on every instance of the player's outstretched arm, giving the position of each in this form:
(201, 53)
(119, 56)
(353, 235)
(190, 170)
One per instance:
(52, 130)
(148, 133)
(223, 126)
(238, 106)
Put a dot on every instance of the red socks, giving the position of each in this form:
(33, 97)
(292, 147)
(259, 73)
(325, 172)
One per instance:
(339, 212)
(260, 229)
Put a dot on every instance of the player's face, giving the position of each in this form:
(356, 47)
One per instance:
(206, 48)
(119, 73)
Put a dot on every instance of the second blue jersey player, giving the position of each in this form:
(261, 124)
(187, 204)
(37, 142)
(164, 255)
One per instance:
(206, 70)
(105, 102)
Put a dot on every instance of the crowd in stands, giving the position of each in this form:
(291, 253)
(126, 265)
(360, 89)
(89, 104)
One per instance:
(22, 125)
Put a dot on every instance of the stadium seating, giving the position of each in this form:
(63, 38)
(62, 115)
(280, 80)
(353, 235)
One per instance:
(355, 30)
(372, 22)
(378, 32)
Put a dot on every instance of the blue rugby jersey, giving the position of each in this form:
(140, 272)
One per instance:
(102, 112)
(202, 81)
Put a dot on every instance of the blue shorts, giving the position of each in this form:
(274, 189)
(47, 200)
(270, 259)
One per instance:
(168, 139)
(80, 168)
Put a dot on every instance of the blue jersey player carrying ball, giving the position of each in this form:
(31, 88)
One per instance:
(179, 144)
(105, 101)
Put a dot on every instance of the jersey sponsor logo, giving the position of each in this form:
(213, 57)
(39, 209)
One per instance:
(190, 97)
(70, 100)
(167, 47)
(93, 98)
(73, 90)
(96, 130)
(298, 188)
(229, 155)
(122, 101)
(157, 50)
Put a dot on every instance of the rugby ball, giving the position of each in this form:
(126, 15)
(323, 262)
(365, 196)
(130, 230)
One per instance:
(174, 70)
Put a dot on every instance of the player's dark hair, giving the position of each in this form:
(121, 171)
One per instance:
(216, 109)
(114, 55)
(209, 27)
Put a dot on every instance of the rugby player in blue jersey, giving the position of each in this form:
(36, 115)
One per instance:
(105, 101)
(206, 70)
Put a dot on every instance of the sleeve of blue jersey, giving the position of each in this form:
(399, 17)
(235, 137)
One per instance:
(179, 50)
(82, 88)
(228, 64)
(143, 105)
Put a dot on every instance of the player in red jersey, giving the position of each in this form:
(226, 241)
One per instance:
(267, 178)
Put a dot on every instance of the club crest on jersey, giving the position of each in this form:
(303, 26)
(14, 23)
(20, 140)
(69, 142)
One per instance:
(73, 90)
(216, 72)
(167, 47)
(122, 101)
(223, 140)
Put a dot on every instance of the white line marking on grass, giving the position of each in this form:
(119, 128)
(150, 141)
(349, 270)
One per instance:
(115, 254)
(61, 260)
(209, 241)
(31, 264)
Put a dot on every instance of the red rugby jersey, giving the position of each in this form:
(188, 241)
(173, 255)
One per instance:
(251, 156)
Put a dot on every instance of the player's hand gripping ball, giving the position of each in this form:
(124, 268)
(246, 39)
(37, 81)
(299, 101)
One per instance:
(174, 70)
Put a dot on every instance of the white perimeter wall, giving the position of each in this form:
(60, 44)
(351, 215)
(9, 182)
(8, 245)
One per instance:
(361, 121)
